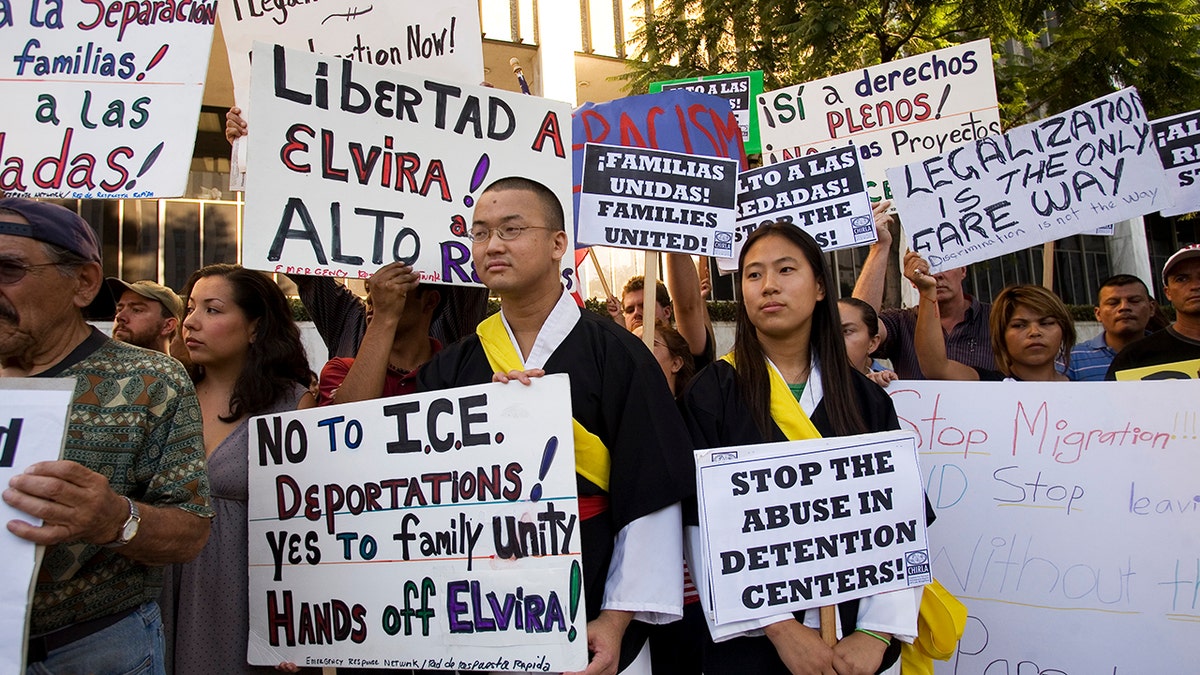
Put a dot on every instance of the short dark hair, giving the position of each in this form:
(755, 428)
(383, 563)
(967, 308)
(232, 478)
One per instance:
(551, 208)
(1121, 280)
(869, 316)
(638, 283)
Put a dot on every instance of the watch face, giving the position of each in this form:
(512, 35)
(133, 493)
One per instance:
(130, 529)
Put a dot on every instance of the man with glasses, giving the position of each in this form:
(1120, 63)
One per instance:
(633, 455)
(131, 492)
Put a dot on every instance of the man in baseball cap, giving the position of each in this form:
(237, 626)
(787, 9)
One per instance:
(1179, 342)
(130, 493)
(148, 314)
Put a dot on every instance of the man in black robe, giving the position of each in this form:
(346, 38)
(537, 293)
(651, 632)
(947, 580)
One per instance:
(631, 535)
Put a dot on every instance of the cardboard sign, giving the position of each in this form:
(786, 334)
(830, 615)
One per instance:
(742, 90)
(33, 426)
(101, 98)
(657, 201)
(357, 166)
(893, 113)
(823, 194)
(439, 40)
(676, 121)
(794, 525)
(1178, 142)
(432, 531)
(1180, 370)
(1066, 519)
(1089, 166)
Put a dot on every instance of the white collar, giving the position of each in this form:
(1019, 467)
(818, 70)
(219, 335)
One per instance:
(554, 330)
(813, 391)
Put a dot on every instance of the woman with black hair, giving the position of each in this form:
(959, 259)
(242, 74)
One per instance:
(246, 359)
(789, 372)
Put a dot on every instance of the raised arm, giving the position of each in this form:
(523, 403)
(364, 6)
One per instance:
(389, 291)
(691, 314)
(871, 280)
(929, 340)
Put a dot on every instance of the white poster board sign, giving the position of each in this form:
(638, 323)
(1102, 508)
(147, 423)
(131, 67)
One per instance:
(101, 99)
(1094, 164)
(33, 423)
(362, 166)
(431, 531)
(656, 200)
(795, 525)
(894, 113)
(1178, 141)
(823, 194)
(440, 39)
(1066, 521)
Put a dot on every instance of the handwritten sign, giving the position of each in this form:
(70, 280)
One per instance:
(32, 428)
(439, 40)
(822, 193)
(1067, 519)
(1178, 141)
(357, 165)
(794, 525)
(657, 201)
(1091, 165)
(893, 113)
(432, 531)
(676, 121)
(96, 96)
(741, 89)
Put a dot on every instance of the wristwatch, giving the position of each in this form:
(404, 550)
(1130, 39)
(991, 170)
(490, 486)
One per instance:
(130, 529)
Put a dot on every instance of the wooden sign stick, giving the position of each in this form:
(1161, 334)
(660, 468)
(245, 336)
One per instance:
(649, 297)
(600, 272)
(829, 624)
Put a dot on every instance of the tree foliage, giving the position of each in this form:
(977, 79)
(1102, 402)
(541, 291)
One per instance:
(1052, 54)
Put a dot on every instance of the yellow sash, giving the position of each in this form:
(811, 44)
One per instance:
(785, 409)
(591, 457)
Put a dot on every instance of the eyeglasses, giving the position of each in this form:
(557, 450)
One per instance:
(506, 233)
(11, 273)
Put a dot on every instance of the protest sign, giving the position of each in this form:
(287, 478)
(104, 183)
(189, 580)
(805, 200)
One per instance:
(1178, 141)
(432, 531)
(741, 89)
(101, 100)
(795, 525)
(677, 121)
(893, 113)
(358, 166)
(1066, 519)
(1179, 370)
(658, 201)
(1089, 166)
(439, 40)
(823, 194)
(32, 428)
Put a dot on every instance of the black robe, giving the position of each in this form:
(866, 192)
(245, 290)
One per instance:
(618, 393)
(718, 417)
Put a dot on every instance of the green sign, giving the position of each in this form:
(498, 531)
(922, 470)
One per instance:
(742, 90)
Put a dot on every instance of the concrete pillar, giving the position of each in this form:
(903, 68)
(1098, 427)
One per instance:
(1128, 252)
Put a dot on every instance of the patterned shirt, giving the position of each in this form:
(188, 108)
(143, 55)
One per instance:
(969, 343)
(135, 420)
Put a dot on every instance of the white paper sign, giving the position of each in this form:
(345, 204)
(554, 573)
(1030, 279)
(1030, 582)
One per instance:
(1089, 166)
(1178, 141)
(439, 39)
(823, 194)
(795, 525)
(432, 531)
(894, 113)
(33, 422)
(357, 166)
(656, 200)
(1068, 521)
(101, 99)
